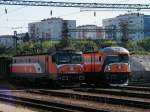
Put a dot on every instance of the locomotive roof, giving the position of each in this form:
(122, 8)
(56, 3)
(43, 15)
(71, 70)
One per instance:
(51, 53)
(114, 49)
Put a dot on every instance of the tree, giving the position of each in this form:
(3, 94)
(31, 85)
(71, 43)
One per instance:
(26, 38)
(85, 45)
(144, 44)
(2, 49)
(108, 43)
(124, 28)
(64, 42)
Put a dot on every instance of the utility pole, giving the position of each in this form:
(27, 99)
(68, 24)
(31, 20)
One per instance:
(15, 41)
(124, 30)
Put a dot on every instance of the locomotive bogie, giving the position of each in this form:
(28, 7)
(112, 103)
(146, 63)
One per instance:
(117, 78)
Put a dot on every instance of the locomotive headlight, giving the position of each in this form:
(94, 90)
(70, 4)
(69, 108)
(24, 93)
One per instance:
(108, 67)
(119, 66)
(71, 68)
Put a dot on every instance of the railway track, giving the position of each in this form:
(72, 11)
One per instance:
(46, 105)
(119, 92)
(103, 98)
(141, 84)
(106, 96)
(137, 88)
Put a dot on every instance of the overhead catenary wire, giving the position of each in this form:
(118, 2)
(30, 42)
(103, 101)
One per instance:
(75, 4)
(17, 1)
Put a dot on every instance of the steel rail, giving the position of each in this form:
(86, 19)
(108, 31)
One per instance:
(103, 99)
(133, 88)
(46, 105)
(119, 92)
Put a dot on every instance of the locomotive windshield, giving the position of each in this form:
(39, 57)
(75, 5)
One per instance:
(117, 58)
(111, 59)
(76, 58)
(62, 59)
(124, 57)
(68, 58)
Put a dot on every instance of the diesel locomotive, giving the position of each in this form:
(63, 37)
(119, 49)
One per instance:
(108, 66)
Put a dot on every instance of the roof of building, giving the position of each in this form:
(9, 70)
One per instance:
(130, 14)
(88, 25)
(53, 18)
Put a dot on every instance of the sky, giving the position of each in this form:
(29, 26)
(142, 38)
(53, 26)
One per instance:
(18, 17)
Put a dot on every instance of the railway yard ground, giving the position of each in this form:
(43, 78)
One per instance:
(12, 107)
(115, 99)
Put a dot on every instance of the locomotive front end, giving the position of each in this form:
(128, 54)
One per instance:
(117, 70)
(69, 68)
(117, 67)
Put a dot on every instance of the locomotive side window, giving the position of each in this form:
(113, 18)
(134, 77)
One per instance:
(100, 58)
(53, 58)
(68, 58)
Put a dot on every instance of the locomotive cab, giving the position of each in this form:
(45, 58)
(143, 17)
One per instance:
(69, 67)
(117, 68)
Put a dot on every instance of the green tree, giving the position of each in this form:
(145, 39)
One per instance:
(2, 49)
(145, 44)
(108, 43)
(64, 42)
(26, 37)
(85, 45)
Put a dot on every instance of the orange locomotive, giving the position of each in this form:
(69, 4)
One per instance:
(62, 67)
(109, 66)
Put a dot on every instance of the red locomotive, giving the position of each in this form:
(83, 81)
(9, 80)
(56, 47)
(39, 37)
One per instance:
(69, 68)
(109, 66)
(62, 67)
